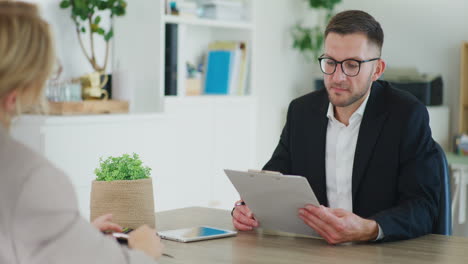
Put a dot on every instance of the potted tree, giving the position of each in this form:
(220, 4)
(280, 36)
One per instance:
(309, 40)
(123, 187)
(87, 16)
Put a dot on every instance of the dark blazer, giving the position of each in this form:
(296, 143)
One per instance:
(394, 179)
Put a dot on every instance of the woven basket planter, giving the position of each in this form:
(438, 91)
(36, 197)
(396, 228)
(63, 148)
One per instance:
(131, 202)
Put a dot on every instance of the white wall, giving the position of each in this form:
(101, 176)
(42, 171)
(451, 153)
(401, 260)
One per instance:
(69, 52)
(425, 34)
(281, 74)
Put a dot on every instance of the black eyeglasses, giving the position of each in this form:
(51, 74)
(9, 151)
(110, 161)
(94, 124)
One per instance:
(350, 67)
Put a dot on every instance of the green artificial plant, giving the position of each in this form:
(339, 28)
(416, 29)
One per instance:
(309, 40)
(86, 16)
(125, 167)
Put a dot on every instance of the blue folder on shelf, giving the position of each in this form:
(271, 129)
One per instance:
(218, 72)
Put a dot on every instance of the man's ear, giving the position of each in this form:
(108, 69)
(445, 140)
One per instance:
(379, 69)
(9, 101)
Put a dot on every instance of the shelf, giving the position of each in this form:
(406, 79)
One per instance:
(209, 98)
(89, 119)
(207, 22)
(88, 107)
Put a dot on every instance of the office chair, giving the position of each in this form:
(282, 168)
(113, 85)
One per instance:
(443, 225)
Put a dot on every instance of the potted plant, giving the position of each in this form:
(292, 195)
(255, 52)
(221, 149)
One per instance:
(309, 40)
(123, 187)
(87, 16)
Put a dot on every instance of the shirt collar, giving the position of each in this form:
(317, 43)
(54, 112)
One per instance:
(359, 112)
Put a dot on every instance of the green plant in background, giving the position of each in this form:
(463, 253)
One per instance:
(86, 12)
(309, 40)
(125, 167)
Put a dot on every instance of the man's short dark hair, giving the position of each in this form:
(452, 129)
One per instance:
(356, 21)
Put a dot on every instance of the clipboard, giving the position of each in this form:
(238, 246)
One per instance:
(275, 199)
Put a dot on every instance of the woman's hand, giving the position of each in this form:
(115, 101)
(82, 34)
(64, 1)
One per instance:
(104, 223)
(145, 239)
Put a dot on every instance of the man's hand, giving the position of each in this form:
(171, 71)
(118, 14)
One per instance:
(104, 223)
(242, 218)
(338, 225)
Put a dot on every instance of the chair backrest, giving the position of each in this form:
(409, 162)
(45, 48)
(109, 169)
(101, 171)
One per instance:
(443, 225)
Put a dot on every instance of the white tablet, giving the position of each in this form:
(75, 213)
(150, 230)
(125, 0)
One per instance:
(275, 199)
(195, 234)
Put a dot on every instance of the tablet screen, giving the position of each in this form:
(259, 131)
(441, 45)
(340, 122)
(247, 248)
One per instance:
(195, 233)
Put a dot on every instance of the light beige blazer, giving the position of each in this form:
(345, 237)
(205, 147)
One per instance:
(39, 217)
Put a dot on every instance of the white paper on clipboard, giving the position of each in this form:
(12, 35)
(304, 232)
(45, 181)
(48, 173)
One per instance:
(275, 199)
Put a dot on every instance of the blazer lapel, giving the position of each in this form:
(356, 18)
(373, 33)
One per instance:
(316, 147)
(371, 125)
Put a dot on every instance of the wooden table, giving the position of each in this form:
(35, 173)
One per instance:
(250, 247)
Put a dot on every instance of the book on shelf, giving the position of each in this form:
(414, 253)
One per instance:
(170, 69)
(218, 68)
(226, 68)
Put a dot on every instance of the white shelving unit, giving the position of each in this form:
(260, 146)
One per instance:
(139, 50)
(195, 34)
(207, 22)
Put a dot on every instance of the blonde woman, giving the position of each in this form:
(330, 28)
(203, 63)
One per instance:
(39, 218)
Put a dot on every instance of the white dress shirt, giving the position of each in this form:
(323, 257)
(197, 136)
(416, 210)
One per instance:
(339, 158)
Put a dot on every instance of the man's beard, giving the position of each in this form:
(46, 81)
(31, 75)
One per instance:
(354, 98)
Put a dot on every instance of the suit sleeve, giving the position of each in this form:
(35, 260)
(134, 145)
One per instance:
(281, 158)
(418, 182)
(47, 226)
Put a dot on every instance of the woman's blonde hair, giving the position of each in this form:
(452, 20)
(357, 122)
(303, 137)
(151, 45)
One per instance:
(27, 52)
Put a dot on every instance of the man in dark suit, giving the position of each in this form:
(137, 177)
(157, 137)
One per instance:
(365, 148)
